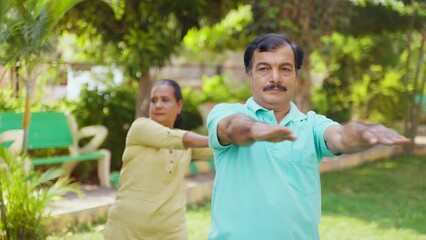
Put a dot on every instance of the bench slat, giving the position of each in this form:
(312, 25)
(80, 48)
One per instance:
(62, 159)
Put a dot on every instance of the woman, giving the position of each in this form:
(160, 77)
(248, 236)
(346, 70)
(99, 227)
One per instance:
(150, 201)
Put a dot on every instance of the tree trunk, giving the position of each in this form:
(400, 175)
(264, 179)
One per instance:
(29, 86)
(418, 90)
(407, 106)
(142, 102)
(303, 89)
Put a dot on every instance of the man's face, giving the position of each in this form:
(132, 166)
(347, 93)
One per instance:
(273, 78)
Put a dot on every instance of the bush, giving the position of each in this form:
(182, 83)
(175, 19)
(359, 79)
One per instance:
(191, 116)
(113, 107)
(25, 195)
(219, 89)
(215, 89)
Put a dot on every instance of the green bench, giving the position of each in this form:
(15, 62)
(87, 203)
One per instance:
(53, 130)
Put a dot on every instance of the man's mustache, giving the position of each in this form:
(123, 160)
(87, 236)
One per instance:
(274, 86)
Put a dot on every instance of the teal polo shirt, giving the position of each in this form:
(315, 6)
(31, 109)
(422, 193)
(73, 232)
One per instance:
(268, 190)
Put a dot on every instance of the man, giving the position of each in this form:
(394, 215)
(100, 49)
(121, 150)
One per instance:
(267, 152)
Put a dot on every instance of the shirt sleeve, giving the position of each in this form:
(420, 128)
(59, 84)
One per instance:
(149, 133)
(219, 112)
(321, 123)
(202, 153)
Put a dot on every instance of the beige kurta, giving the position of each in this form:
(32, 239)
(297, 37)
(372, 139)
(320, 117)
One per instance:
(150, 201)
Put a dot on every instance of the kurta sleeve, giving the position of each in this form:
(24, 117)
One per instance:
(202, 153)
(149, 133)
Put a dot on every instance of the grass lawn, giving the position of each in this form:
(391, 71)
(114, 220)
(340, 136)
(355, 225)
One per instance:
(385, 200)
(382, 200)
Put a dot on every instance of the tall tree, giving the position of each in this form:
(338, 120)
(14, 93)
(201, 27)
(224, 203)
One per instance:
(146, 37)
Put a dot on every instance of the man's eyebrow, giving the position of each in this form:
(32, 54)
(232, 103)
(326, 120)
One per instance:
(287, 64)
(262, 63)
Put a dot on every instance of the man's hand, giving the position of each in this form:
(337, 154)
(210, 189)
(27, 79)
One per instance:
(355, 137)
(379, 134)
(271, 133)
(242, 130)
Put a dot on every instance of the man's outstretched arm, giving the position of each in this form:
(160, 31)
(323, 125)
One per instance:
(242, 130)
(354, 137)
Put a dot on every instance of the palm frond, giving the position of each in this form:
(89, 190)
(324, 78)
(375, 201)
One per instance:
(5, 6)
(57, 9)
(23, 11)
(62, 186)
(26, 195)
(4, 155)
(117, 6)
(47, 176)
(39, 30)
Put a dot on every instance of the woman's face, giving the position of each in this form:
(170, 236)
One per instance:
(164, 107)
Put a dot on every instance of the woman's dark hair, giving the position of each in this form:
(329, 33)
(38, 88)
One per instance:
(272, 41)
(178, 96)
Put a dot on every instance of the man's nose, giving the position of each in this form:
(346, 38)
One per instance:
(275, 76)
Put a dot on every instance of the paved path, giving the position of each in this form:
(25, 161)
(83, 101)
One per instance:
(96, 201)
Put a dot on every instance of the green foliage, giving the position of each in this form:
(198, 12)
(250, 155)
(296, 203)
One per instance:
(215, 89)
(230, 33)
(27, 26)
(16, 104)
(191, 116)
(25, 196)
(370, 17)
(113, 107)
(147, 35)
(220, 89)
(305, 21)
(9, 103)
(363, 78)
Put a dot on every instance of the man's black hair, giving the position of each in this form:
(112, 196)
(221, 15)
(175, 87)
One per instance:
(272, 41)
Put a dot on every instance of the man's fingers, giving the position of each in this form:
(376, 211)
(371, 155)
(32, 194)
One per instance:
(384, 136)
(275, 134)
(279, 139)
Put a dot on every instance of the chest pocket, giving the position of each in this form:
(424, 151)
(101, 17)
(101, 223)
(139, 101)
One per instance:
(303, 172)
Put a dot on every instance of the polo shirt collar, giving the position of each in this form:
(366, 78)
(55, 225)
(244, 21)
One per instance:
(253, 106)
(293, 115)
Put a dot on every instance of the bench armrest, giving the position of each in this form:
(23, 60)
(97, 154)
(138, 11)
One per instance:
(16, 136)
(98, 134)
